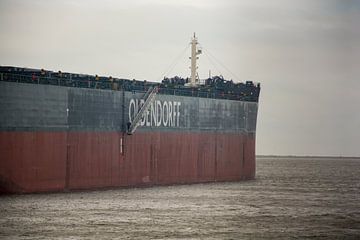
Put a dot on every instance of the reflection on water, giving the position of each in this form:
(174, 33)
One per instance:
(291, 198)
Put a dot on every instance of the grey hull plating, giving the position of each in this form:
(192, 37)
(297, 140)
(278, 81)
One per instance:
(56, 138)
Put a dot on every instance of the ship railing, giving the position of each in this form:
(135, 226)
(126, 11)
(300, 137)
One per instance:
(191, 92)
(115, 84)
(208, 94)
(119, 84)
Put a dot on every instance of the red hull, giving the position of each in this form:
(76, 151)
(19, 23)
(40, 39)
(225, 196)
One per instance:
(58, 161)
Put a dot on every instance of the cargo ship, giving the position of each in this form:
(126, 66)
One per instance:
(62, 131)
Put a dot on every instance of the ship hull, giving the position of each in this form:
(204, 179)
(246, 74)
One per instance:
(60, 161)
(56, 138)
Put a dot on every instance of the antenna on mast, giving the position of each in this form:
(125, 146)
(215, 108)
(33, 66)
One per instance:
(194, 52)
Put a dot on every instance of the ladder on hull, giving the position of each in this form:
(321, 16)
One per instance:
(149, 98)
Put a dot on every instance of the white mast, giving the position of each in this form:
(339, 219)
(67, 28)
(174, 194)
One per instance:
(194, 53)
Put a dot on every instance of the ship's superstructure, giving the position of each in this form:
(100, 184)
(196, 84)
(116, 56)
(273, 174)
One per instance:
(194, 52)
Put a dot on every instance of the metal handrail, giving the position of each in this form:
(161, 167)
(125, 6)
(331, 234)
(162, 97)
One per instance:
(149, 97)
(119, 84)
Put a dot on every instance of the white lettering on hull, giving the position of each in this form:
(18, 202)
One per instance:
(160, 113)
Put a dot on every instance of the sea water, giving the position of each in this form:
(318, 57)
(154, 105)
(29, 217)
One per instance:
(291, 198)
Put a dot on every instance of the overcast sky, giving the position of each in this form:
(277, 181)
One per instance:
(305, 53)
